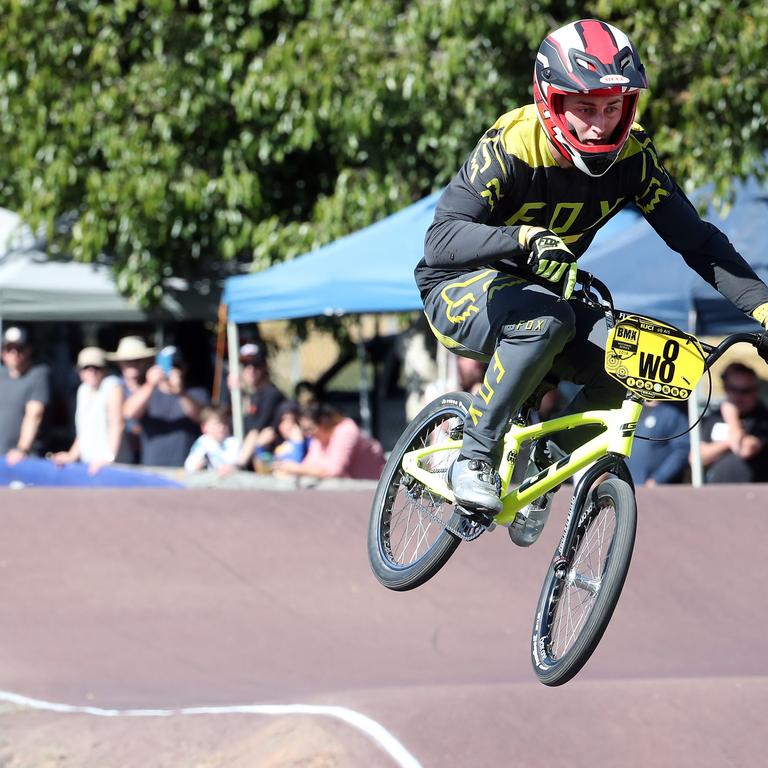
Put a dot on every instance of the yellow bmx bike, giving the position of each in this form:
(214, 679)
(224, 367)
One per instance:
(415, 527)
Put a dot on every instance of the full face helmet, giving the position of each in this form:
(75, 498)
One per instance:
(587, 56)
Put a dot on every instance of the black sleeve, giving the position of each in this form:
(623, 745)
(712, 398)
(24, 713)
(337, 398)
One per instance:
(460, 237)
(702, 245)
(266, 413)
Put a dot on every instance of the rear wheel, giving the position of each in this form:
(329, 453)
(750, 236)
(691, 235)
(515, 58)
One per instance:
(407, 538)
(582, 588)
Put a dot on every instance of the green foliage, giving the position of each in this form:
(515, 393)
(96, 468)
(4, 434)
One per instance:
(708, 101)
(185, 133)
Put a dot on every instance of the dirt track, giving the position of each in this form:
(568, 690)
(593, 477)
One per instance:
(168, 599)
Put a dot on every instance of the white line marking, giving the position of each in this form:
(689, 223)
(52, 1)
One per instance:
(376, 732)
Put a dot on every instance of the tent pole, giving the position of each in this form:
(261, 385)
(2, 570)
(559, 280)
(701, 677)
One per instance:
(697, 473)
(221, 343)
(365, 403)
(233, 346)
(296, 360)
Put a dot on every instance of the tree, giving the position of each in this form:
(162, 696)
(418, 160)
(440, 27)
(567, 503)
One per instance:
(708, 72)
(181, 134)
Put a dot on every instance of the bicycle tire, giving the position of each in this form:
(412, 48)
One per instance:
(560, 646)
(392, 529)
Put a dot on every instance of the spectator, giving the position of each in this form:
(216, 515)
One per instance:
(657, 463)
(215, 448)
(337, 447)
(261, 399)
(134, 358)
(471, 373)
(734, 440)
(294, 443)
(24, 394)
(305, 394)
(168, 413)
(98, 413)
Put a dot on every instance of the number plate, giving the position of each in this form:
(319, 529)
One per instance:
(652, 359)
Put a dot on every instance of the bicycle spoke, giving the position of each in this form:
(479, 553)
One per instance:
(417, 516)
(581, 584)
(413, 530)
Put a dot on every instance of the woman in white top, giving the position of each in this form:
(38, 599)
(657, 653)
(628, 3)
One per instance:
(98, 414)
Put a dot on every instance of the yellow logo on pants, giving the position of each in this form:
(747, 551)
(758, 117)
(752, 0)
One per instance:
(460, 297)
(486, 391)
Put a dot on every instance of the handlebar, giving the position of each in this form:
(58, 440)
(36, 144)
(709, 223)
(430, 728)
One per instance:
(758, 340)
(591, 286)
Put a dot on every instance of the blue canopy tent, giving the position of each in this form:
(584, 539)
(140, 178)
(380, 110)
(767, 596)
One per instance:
(372, 271)
(366, 272)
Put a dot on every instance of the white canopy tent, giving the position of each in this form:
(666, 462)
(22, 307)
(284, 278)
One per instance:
(32, 287)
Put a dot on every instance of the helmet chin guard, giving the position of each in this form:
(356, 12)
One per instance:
(589, 57)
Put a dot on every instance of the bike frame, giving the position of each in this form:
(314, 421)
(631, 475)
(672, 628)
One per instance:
(615, 438)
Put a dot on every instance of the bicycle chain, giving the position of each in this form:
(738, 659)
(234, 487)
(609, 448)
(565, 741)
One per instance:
(467, 529)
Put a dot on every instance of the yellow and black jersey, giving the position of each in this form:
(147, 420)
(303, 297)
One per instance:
(511, 181)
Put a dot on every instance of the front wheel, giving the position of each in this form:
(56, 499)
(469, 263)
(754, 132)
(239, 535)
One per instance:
(407, 538)
(582, 588)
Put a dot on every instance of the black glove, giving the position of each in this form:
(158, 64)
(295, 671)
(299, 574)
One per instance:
(552, 259)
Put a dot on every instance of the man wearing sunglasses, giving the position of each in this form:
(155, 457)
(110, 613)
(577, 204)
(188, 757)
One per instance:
(734, 445)
(24, 394)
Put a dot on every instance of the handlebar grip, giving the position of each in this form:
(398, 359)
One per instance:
(762, 346)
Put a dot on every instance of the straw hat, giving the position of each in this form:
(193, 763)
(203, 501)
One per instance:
(94, 356)
(131, 348)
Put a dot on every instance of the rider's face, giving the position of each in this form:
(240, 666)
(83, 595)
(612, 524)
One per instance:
(593, 118)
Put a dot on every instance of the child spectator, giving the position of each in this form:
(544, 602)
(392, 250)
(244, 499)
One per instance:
(338, 448)
(295, 442)
(215, 448)
(294, 445)
(98, 413)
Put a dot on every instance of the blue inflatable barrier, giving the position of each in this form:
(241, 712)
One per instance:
(41, 472)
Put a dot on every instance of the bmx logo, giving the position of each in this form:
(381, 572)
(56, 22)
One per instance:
(623, 332)
(625, 340)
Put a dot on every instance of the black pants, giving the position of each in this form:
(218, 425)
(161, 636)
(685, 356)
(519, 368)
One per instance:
(524, 332)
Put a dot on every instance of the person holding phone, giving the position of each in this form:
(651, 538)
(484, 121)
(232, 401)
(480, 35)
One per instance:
(168, 412)
(134, 358)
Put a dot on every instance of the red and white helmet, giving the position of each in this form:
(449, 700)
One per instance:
(587, 56)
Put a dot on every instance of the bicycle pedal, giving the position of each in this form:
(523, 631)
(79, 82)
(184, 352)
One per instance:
(476, 516)
(468, 529)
